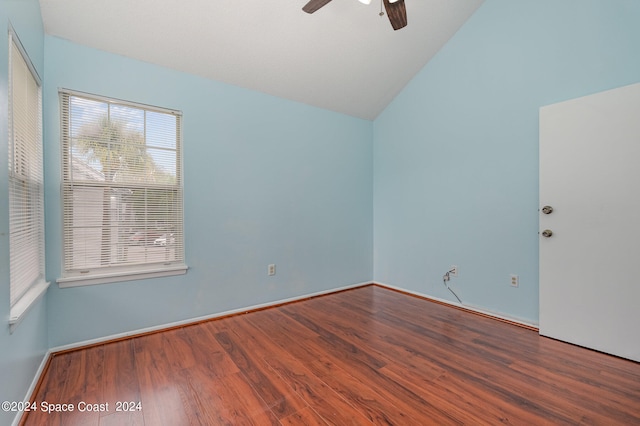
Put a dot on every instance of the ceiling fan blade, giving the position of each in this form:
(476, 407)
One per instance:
(397, 13)
(314, 5)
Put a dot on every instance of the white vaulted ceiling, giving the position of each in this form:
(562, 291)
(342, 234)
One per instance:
(344, 57)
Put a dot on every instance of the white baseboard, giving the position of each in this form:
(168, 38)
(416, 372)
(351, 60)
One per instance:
(199, 319)
(473, 308)
(280, 302)
(32, 387)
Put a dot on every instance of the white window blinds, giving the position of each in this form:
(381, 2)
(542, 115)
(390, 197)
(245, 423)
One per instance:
(26, 199)
(122, 189)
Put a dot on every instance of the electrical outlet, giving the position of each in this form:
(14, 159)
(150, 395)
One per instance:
(271, 269)
(514, 280)
(453, 270)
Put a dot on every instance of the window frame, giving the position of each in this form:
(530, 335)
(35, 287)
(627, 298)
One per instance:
(119, 273)
(33, 291)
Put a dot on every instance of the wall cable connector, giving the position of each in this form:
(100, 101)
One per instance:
(445, 279)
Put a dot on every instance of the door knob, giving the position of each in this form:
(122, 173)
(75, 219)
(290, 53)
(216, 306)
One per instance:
(547, 233)
(547, 209)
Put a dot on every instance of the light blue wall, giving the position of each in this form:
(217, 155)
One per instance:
(456, 153)
(266, 181)
(452, 175)
(21, 352)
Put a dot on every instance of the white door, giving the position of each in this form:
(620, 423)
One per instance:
(590, 265)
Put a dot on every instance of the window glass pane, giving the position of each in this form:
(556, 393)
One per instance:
(164, 162)
(122, 186)
(161, 130)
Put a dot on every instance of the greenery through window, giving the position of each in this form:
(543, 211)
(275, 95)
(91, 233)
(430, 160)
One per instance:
(122, 186)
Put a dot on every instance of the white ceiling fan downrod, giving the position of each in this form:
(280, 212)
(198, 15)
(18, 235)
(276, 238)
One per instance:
(368, 2)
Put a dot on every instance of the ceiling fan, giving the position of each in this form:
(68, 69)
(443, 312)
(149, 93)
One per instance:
(396, 10)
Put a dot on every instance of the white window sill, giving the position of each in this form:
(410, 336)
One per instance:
(20, 309)
(122, 275)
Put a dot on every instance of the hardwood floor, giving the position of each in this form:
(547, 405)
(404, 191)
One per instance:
(363, 356)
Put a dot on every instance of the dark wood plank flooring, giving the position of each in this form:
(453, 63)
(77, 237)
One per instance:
(363, 356)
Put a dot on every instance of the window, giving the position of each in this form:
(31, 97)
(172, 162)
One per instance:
(26, 199)
(122, 190)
